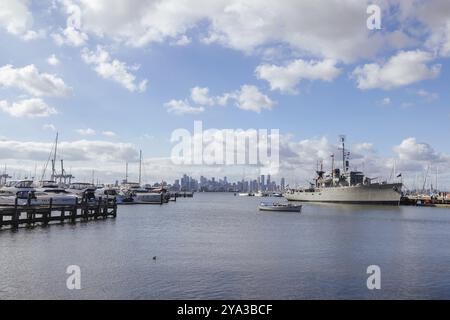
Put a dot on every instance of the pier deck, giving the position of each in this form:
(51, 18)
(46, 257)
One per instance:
(17, 216)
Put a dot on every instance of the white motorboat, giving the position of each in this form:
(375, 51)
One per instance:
(246, 194)
(281, 207)
(82, 190)
(20, 189)
(113, 193)
(141, 195)
(58, 196)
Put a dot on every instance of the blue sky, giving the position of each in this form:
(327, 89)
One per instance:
(310, 79)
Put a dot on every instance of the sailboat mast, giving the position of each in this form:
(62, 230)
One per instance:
(54, 157)
(140, 166)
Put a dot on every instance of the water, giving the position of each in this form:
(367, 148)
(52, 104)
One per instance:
(218, 246)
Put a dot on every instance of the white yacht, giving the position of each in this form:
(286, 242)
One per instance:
(139, 194)
(82, 190)
(113, 193)
(58, 196)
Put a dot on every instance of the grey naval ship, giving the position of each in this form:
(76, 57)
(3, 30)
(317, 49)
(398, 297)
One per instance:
(345, 186)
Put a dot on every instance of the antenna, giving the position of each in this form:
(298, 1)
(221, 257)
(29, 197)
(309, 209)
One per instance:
(342, 140)
(332, 169)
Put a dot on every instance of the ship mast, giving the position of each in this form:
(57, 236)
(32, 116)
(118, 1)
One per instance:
(332, 169)
(342, 138)
(140, 166)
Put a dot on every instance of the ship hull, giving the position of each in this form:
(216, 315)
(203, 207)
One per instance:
(380, 194)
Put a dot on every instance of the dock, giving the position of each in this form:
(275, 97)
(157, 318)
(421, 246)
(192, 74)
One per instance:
(426, 201)
(16, 216)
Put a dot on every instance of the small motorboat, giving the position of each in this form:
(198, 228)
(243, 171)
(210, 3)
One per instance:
(281, 207)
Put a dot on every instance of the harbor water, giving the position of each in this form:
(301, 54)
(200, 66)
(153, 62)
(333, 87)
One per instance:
(219, 246)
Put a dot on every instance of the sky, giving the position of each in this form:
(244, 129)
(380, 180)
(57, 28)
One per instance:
(115, 77)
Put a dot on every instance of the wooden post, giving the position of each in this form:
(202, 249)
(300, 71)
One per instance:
(29, 215)
(15, 217)
(48, 213)
(98, 208)
(105, 208)
(114, 212)
(74, 211)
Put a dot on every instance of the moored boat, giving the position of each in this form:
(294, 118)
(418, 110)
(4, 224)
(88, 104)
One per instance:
(281, 207)
(346, 186)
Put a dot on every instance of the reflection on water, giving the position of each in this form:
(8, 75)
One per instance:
(220, 246)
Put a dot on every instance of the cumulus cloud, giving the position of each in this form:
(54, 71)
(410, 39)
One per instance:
(49, 126)
(244, 26)
(286, 78)
(248, 97)
(109, 133)
(53, 60)
(410, 149)
(201, 96)
(80, 150)
(30, 108)
(17, 19)
(405, 68)
(86, 132)
(71, 35)
(113, 69)
(181, 107)
(31, 81)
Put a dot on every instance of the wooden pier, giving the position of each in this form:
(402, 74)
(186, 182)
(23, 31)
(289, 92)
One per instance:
(14, 217)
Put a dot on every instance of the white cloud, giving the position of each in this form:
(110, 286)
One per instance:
(182, 41)
(428, 96)
(80, 150)
(113, 69)
(17, 19)
(386, 101)
(53, 60)
(201, 96)
(30, 80)
(31, 108)
(180, 107)
(286, 78)
(109, 134)
(49, 126)
(363, 147)
(410, 149)
(86, 132)
(71, 35)
(246, 26)
(250, 98)
(405, 68)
